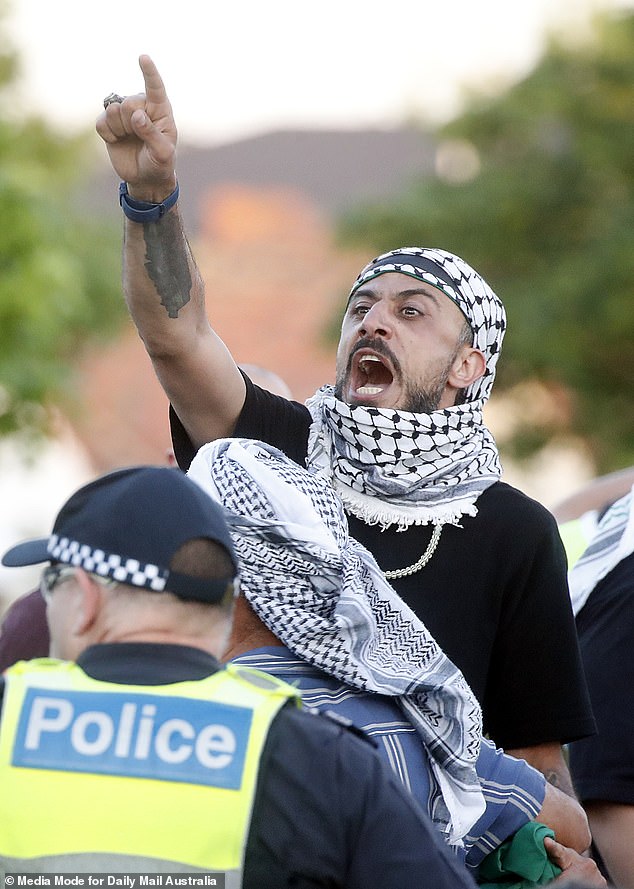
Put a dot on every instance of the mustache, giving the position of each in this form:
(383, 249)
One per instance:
(378, 346)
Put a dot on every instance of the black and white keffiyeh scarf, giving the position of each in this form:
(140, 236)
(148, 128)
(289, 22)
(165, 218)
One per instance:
(612, 542)
(395, 467)
(323, 595)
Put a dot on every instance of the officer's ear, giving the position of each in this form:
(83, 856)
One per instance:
(87, 604)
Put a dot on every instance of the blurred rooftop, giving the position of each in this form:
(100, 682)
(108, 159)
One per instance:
(334, 169)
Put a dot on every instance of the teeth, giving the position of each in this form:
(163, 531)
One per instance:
(369, 390)
(369, 358)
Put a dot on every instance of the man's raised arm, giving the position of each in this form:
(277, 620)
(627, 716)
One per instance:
(162, 284)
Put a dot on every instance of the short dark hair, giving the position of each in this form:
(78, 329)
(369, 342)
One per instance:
(205, 559)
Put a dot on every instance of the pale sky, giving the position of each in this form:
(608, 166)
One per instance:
(235, 69)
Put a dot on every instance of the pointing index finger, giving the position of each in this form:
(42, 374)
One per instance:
(154, 86)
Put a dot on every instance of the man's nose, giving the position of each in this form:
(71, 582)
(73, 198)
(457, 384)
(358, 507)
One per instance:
(376, 321)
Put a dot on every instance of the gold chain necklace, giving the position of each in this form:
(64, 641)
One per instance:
(426, 556)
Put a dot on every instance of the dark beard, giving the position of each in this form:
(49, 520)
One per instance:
(425, 401)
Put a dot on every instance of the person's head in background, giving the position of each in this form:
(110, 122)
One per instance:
(261, 376)
(266, 379)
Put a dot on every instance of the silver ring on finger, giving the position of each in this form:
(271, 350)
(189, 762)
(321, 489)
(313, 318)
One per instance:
(112, 99)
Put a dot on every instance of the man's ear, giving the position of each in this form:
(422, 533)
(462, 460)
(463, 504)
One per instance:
(87, 605)
(468, 366)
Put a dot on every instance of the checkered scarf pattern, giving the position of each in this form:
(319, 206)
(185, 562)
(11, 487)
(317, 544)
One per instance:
(612, 542)
(395, 467)
(323, 595)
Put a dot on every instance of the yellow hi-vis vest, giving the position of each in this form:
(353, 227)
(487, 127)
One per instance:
(576, 535)
(98, 777)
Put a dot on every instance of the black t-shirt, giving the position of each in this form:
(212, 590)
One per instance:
(602, 767)
(494, 594)
(327, 813)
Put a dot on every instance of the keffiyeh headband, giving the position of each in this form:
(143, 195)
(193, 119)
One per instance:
(323, 595)
(396, 467)
(612, 542)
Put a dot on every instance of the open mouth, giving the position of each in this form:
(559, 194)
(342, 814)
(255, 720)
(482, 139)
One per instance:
(370, 375)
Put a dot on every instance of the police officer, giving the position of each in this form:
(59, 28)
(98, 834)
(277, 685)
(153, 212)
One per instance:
(132, 750)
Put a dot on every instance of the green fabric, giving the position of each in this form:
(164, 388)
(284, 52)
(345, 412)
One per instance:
(521, 862)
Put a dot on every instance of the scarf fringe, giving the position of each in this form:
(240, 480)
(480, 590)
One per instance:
(373, 511)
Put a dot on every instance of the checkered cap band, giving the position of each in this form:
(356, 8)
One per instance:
(103, 564)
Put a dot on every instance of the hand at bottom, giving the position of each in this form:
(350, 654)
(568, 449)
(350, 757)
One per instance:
(577, 870)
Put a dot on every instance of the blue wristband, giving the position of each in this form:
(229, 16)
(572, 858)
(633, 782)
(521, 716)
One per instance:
(145, 211)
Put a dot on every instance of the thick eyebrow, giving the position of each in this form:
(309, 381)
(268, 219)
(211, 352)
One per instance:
(369, 293)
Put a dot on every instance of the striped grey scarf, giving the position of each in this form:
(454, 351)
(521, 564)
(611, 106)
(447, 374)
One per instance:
(396, 467)
(612, 542)
(323, 595)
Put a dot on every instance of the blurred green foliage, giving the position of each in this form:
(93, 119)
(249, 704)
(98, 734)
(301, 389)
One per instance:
(541, 201)
(59, 273)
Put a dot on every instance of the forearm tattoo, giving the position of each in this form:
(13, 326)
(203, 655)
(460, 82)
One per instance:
(561, 780)
(553, 778)
(166, 262)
